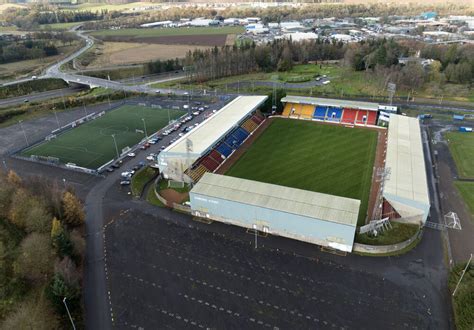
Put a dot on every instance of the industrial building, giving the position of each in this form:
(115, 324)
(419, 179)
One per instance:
(205, 147)
(326, 220)
(405, 190)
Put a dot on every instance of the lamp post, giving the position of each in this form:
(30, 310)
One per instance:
(68, 313)
(144, 126)
(115, 143)
(24, 133)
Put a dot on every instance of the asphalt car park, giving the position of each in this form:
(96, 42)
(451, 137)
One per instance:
(168, 275)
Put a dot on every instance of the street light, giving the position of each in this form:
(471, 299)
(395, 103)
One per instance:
(24, 133)
(115, 143)
(68, 313)
(144, 125)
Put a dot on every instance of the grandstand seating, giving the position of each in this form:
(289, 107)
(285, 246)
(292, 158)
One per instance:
(349, 116)
(334, 114)
(362, 116)
(307, 111)
(372, 119)
(320, 113)
(257, 119)
(224, 149)
(249, 125)
(287, 109)
(215, 155)
(209, 163)
(196, 173)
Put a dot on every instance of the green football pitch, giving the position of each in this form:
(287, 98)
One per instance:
(461, 146)
(91, 144)
(318, 157)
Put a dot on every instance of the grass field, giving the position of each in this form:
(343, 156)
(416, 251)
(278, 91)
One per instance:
(91, 145)
(463, 301)
(461, 146)
(163, 32)
(466, 189)
(317, 157)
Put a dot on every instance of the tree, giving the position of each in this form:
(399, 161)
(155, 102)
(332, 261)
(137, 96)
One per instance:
(13, 178)
(19, 208)
(63, 244)
(73, 213)
(35, 260)
(32, 314)
(79, 245)
(60, 289)
(56, 228)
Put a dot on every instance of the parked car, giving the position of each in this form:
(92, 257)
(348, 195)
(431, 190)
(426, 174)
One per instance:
(196, 113)
(116, 165)
(110, 169)
(124, 182)
(131, 154)
(150, 158)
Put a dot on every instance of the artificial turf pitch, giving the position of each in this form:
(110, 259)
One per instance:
(324, 158)
(91, 144)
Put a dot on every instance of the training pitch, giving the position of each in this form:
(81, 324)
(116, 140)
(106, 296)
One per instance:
(91, 144)
(461, 146)
(324, 158)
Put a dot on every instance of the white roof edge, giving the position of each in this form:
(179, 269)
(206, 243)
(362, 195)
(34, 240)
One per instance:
(331, 102)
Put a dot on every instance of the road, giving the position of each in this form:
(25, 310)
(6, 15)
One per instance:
(41, 96)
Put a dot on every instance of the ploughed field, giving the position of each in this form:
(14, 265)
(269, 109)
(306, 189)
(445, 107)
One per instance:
(306, 155)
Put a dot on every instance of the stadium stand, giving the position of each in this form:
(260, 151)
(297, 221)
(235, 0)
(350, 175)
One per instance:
(287, 109)
(334, 114)
(249, 125)
(372, 120)
(196, 173)
(307, 111)
(215, 155)
(209, 163)
(320, 113)
(349, 116)
(224, 149)
(362, 117)
(257, 118)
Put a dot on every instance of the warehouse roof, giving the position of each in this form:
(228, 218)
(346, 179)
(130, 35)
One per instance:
(331, 102)
(290, 200)
(217, 126)
(405, 159)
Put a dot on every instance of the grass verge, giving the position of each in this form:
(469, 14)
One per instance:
(151, 197)
(463, 301)
(140, 179)
(461, 146)
(400, 232)
(466, 189)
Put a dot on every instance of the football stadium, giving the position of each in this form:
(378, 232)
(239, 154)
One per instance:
(314, 173)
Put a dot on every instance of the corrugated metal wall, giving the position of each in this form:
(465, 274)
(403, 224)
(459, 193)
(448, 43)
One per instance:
(278, 223)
